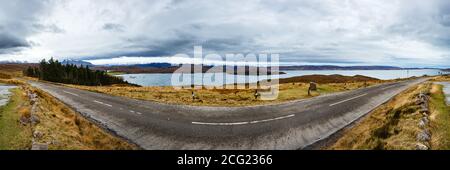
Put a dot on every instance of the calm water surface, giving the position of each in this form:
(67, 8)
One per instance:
(446, 91)
(4, 94)
(213, 79)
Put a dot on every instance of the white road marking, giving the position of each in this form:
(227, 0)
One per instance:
(71, 93)
(348, 99)
(243, 123)
(388, 87)
(99, 102)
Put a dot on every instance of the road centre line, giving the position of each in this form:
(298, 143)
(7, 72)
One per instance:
(348, 99)
(243, 123)
(71, 93)
(384, 88)
(99, 102)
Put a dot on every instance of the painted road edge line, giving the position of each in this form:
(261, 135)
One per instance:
(243, 123)
(348, 99)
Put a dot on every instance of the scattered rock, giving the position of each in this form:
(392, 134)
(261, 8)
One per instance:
(37, 135)
(420, 101)
(423, 136)
(34, 119)
(425, 120)
(423, 96)
(424, 110)
(424, 105)
(420, 146)
(24, 120)
(39, 146)
(421, 124)
(33, 97)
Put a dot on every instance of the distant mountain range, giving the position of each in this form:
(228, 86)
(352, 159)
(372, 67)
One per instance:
(76, 62)
(169, 68)
(155, 65)
(302, 67)
(332, 67)
(282, 68)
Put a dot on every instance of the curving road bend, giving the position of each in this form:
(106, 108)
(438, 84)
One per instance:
(291, 125)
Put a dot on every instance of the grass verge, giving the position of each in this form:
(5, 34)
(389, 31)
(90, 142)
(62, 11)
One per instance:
(392, 126)
(64, 129)
(440, 119)
(59, 126)
(222, 97)
(14, 135)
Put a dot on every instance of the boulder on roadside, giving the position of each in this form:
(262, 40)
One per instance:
(312, 86)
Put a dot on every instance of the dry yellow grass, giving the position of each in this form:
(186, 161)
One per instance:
(12, 81)
(390, 126)
(5, 76)
(441, 78)
(64, 129)
(222, 97)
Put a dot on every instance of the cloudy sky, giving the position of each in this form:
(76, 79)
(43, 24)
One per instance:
(408, 33)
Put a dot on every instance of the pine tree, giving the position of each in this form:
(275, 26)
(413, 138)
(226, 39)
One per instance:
(54, 71)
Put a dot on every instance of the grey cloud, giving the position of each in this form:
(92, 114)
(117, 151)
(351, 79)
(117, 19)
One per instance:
(113, 27)
(51, 28)
(16, 24)
(7, 42)
(312, 31)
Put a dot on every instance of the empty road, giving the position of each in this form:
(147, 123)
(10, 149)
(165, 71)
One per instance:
(291, 125)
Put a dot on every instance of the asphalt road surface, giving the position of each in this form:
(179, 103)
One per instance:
(291, 125)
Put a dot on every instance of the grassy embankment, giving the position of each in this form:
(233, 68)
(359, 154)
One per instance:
(70, 130)
(441, 78)
(59, 126)
(290, 89)
(392, 125)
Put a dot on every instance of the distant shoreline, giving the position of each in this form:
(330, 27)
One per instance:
(141, 69)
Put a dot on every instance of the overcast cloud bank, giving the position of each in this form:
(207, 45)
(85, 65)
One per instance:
(407, 33)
